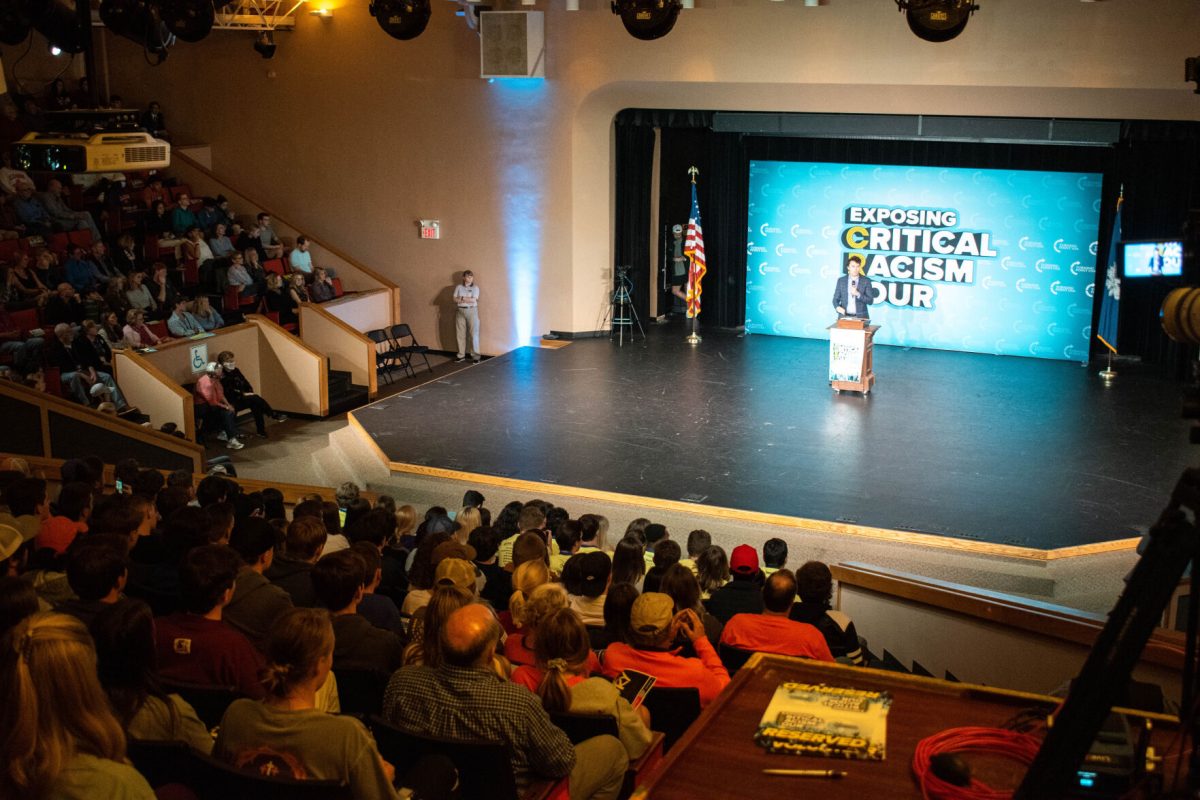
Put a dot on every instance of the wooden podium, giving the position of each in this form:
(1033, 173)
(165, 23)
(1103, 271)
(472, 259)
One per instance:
(851, 366)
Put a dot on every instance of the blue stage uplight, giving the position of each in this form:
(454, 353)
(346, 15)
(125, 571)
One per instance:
(522, 166)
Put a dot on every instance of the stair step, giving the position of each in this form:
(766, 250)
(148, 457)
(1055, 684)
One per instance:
(351, 397)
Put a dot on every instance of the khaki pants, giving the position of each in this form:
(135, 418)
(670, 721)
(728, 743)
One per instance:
(600, 764)
(466, 323)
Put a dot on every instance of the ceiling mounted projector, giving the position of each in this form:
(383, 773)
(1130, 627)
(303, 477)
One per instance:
(189, 20)
(647, 19)
(139, 22)
(937, 20)
(401, 19)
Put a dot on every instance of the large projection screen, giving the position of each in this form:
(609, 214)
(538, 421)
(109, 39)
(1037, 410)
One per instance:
(977, 260)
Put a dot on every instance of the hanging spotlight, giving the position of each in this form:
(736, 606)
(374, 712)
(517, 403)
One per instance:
(401, 19)
(264, 44)
(139, 22)
(15, 23)
(647, 19)
(937, 20)
(189, 20)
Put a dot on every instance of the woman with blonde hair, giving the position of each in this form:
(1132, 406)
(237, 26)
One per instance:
(285, 733)
(466, 521)
(136, 333)
(525, 578)
(528, 615)
(59, 736)
(562, 678)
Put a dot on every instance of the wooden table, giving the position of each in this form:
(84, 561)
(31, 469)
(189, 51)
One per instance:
(719, 758)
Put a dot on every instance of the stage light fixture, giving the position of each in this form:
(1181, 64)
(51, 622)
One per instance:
(937, 20)
(264, 44)
(401, 19)
(647, 19)
(139, 22)
(189, 20)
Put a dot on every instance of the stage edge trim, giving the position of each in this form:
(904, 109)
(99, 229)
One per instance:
(758, 517)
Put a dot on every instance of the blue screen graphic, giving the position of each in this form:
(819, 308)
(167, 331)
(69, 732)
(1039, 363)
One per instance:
(983, 261)
(1147, 259)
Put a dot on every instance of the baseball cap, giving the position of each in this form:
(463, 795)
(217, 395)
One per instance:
(594, 569)
(455, 572)
(676, 229)
(10, 541)
(452, 549)
(743, 559)
(652, 612)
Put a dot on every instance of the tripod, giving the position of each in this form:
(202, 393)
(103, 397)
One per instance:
(622, 311)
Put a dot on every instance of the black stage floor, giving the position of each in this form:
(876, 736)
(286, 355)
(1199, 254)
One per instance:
(1010, 451)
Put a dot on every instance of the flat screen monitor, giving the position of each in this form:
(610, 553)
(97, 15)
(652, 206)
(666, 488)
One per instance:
(1152, 259)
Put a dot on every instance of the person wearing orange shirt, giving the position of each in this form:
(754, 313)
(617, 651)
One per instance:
(772, 631)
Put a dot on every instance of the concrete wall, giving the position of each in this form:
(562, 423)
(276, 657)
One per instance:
(354, 136)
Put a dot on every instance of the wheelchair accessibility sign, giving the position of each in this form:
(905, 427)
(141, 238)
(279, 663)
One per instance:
(198, 357)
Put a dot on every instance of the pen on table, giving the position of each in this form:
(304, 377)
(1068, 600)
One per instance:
(806, 773)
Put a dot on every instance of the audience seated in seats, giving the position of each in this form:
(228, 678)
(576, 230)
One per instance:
(195, 645)
(562, 679)
(379, 609)
(681, 586)
(592, 531)
(208, 317)
(195, 248)
(653, 627)
(28, 506)
(241, 394)
(743, 594)
(64, 306)
(712, 570)
(125, 255)
(269, 242)
(238, 277)
(90, 348)
(322, 289)
(97, 570)
(300, 258)
(219, 243)
(25, 352)
(10, 177)
(48, 270)
(127, 664)
(257, 604)
(566, 540)
(25, 288)
(84, 383)
(103, 262)
(697, 542)
(774, 556)
(18, 598)
(814, 587)
(594, 573)
(154, 122)
(292, 570)
(280, 300)
(61, 739)
(62, 216)
(618, 605)
(162, 289)
(526, 578)
(182, 323)
(394, 581)
(183, 218)
(529, 518)
(249, 240)
(497, 587)
(461, 699)
(32, 214)
(71, 511)
(297, 289)
(136, 333)
(653, 534)
(158, 224)
(424, 646)
(215, 410)
(339, 582)
(527, 616)
(628, 562)
(155, 192)
(421, 570)
(138, 296)
(286, 733)
(772, 631)
(666, 555)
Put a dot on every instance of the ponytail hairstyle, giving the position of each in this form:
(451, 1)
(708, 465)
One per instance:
(541, 603)
(562, 648)
(126, 659)
(298, 642)
(54, 706)
(526, 577)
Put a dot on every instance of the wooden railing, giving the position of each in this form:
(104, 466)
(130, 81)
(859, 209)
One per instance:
(346, 348)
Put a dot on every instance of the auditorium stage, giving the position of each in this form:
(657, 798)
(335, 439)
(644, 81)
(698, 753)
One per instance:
(1008, 455)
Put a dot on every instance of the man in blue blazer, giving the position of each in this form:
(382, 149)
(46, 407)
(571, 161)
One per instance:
(854, 291)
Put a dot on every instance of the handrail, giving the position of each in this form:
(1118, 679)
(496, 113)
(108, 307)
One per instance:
(265, 323)
(144, 364)
(390, 285)
(258, 319)
(348, 330)
(47, 402)
(188, 340)
(1165, 648)
(341, 323)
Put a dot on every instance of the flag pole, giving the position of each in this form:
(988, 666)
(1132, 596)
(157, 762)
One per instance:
(1108, 374)
(693, 338)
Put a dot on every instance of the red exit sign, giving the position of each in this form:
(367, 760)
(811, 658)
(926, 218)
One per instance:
(430, 229)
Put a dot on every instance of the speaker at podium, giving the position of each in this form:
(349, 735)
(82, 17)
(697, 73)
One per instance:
(851, 365)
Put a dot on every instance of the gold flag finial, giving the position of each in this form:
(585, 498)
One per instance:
(693, 172)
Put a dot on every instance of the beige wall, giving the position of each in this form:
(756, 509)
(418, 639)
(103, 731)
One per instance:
(354, 135)
(145, 388)
(345, 347)
(365, 311)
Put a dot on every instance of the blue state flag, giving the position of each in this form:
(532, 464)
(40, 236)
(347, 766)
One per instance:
(1106, 330)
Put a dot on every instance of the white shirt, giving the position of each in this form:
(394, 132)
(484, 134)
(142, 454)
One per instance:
(466, 296)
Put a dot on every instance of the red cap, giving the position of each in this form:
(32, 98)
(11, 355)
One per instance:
(744, 559)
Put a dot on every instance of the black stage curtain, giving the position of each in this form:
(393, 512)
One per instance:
(635, 159)
(1157, 163)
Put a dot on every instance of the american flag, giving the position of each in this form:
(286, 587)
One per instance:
(693, 248)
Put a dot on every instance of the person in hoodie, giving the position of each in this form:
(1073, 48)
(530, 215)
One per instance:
(257, 603)
(303, 545)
